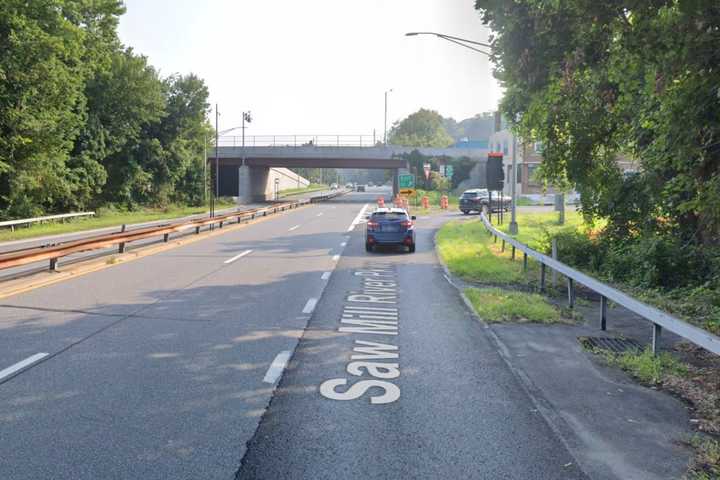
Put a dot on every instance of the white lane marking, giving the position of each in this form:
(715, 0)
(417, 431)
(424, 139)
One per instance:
(293, 228)
(240, 255)
(310, 305)
(343, 244)
(22, 364)
(326, 275)
(277, 366)
(358, 218)
(336, 258)
(320, 214)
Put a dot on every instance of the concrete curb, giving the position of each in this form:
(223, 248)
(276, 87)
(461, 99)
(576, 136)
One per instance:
(551, 416)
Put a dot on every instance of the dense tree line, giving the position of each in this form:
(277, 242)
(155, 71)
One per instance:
(592, 80)
(86, 121)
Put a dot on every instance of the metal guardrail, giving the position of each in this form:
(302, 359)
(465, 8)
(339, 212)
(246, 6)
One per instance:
(27, 221)
(53, 252)
(658, 318)
(298, 141)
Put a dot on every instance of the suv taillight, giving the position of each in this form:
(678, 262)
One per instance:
(406, 223)
(372, 225)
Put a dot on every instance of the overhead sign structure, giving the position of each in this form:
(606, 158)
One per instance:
(406, 181)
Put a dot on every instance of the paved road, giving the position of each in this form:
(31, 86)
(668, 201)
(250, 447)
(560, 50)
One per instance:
(164, 367)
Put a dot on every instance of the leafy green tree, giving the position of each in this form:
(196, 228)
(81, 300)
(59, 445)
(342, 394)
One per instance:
(593, 80)
(423, 128)
(47, 51)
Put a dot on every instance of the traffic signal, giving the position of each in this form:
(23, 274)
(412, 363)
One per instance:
(494, 174)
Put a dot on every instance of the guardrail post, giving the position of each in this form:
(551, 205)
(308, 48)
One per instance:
(603, 313)
(197, 230)
(121, 245)
(502, 249)
(53, 264)
(166, 237)
(555, 257)
(512, 255)
(657, 332)
(494, 238)
(542, 277)
(525, 262)
(571, 292)
(221, 224)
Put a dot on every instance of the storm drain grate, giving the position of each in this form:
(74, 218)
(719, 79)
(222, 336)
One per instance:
(617, 345)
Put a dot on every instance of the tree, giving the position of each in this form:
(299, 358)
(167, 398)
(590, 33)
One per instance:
(423, 128)
(47, 51)
(593, 80)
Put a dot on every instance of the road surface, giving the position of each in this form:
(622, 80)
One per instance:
(174, 366)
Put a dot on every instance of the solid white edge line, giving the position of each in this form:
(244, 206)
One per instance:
(336, 258)
(357, 219)
(238, 256)
(326, 275)
(310, 305)
(343, 244)
(22, 364)
(320, 214)
(277, 366)
(293, 228)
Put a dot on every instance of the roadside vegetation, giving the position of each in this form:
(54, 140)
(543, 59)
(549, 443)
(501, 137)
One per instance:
(108, 217)
(313, 187)
(502, 305)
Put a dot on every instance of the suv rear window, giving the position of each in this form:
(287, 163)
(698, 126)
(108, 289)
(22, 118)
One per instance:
(470, 195)
(389, 216)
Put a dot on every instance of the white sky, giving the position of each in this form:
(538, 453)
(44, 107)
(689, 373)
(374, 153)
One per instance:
(318, 66)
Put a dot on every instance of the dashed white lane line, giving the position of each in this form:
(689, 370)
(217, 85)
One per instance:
(277, 366)
(22, 364)
(326, 275)
(320, 214)
(343, 244)
(336, 258)
(238, 256)
(293, 228)
(358, 218)
(310, 305)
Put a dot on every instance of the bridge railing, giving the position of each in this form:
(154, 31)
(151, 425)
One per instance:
(299, 141)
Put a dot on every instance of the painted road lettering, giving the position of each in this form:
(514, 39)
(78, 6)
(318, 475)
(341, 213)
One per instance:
(368, 311)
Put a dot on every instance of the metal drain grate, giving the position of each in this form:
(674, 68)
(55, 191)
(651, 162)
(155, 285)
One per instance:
(617, 345)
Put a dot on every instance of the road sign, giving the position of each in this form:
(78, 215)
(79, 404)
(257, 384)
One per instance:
(408, 192)
(427, 168)
(406, 181)
(449, 171)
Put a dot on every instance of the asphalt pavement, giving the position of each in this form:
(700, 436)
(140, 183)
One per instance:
(278, 350)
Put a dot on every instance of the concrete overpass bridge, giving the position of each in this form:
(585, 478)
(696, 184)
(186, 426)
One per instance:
(244, 171)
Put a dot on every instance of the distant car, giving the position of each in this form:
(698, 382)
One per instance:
(349, 185)
(390, 226)
(477, 199)
(360, 188)
(333, 186)
(370, 184)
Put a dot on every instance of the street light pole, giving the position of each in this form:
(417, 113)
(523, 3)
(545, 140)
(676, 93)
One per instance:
(513, 178)
(385, 129)
(217, 164)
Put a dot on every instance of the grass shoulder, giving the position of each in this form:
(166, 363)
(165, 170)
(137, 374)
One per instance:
(106, 217)
(313, 187)
(496, 305)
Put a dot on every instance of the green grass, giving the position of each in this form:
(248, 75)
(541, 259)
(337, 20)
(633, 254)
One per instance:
(499, 305)
(645, 366)
(706, 464)
(470, 253)
(107, 218)
(313, 187)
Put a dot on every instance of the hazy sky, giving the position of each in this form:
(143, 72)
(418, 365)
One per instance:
(318, 66)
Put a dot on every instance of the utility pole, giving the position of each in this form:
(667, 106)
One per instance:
(217, 163)
(513, 228)
(385, 128)
(205, 171)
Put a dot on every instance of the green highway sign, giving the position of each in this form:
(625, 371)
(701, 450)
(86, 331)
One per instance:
(406, 181)
(449, 171)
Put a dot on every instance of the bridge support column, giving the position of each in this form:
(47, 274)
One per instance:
(253, 184)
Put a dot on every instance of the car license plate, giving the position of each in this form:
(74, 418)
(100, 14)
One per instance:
(391, 227)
